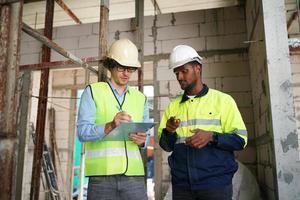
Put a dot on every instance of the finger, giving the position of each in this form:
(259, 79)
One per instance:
(142, 134)
(194, 130)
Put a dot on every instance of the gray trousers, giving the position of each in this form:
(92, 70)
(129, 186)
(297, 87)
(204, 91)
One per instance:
(117, 187)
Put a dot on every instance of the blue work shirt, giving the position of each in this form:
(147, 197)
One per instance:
(87, 129)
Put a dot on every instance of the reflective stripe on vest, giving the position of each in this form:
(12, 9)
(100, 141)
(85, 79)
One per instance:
(191, 122)
(112, 152)
(114, 157)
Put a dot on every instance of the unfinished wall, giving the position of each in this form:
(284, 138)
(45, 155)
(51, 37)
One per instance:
(275, 136)
(217, 34)
(259, 83)
(295, 63)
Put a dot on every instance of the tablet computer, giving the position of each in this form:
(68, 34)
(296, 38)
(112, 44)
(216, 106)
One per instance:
(121, 132)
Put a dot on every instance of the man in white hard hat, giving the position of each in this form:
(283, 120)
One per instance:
(202, 128)
(115, 168)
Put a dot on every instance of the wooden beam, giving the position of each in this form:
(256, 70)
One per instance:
(68, 11)
(103, 35)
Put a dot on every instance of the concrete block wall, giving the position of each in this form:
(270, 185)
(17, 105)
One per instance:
(260, 99)
(212, 30)
(295, 62)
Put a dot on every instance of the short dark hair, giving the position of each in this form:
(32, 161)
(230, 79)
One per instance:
(110, 63)
(195, 63)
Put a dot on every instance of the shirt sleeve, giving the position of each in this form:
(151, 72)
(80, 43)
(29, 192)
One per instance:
(87, 130)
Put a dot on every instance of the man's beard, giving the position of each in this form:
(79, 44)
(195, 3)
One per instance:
(189, 87)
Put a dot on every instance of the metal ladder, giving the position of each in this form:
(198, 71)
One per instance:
(50, 174)
(48, 169)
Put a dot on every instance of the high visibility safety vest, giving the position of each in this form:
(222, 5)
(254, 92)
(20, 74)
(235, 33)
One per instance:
(114, 157)
(215, 111)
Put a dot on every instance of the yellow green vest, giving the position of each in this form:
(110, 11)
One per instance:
(114, 157)
(215, 111)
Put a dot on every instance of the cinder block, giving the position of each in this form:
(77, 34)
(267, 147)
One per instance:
(243, 99)
(164, 73)
(177, 32)
(248, 155)
(85, 53)
(235, 26)
(27, 38)
(88, 41)
(250, 130)
(148, 35)
(27, 59)
(269, 177)
(211, 15)
(226, 42)
(197, 43)
(62, 133)
(191, 17)
(149, 48)
(163, 87)
(208, 29)
(296, 78)
(78, 30)
(175, 88)
(236, 84)
(226, 69)
(61, 78)
(234, 12)
(163, 102)
(234, 57)
(61, 115)
(295, 68)
(294, 58)
(148, 22)
(30, 47)
(210, 82)
(62, 143)
(69, 43)
(120, 25)
(163, 63)
(247, 114)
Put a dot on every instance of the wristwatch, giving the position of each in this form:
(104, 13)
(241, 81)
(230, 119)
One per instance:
(214, 138)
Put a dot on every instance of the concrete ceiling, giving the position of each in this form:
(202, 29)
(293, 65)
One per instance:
(88, 11)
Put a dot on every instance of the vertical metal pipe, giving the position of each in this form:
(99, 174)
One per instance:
(139, 16)
(42, 106)
(103, 32)
(6, 150)
(10, 16)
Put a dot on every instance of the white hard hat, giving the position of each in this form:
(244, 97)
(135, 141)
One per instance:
(125, 53)
(183, 54)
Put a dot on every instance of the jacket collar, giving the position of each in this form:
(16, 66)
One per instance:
(203, 92)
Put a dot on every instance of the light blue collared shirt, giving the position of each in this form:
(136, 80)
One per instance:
(87, 129)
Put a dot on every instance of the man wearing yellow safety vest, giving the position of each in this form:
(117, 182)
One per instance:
(115, 168)
(202, 128)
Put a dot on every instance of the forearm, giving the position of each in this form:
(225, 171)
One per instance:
(90, 132)
(167, 140)
(229, 142)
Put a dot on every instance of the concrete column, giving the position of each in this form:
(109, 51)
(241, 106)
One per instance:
(285, 138)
